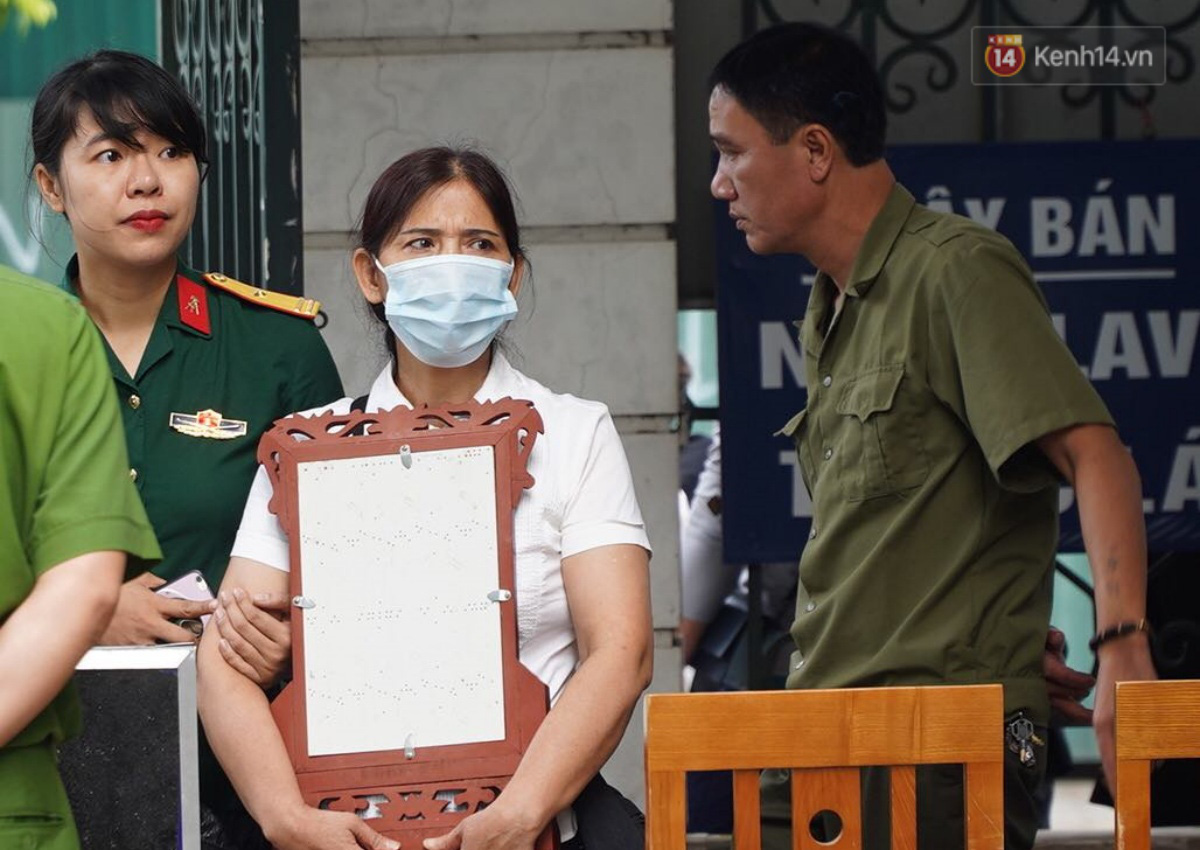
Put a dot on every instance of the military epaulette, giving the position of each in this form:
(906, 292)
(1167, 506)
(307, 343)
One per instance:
(284, 303)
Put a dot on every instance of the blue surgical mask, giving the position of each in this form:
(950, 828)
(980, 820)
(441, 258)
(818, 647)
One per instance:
(448, 308)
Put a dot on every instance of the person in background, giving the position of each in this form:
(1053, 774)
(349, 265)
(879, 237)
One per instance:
(943, 412)
(440, 262)
(69, 516)
(706, 578)
(201, 364)
(692, 447)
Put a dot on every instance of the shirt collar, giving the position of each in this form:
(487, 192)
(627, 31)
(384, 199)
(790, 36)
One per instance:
(170, 312)
(878, 241)
(67, 284)
(385, 395)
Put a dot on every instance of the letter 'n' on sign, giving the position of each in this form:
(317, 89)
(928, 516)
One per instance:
(779, 347)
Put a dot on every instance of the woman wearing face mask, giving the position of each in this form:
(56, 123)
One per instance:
(440, 260)
(202, 365)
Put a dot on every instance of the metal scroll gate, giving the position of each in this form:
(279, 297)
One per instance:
(240, 59)
(919, 51)
(1106, 228)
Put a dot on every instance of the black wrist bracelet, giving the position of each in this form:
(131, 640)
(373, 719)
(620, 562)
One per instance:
(1127, 627)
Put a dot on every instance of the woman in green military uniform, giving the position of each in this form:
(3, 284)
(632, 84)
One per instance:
(202, 364)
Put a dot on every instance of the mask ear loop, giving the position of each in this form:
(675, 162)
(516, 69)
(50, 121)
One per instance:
(382, 271)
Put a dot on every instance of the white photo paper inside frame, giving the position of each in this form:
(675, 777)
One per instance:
(402, 646)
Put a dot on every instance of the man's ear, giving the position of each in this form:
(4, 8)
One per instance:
(371, 281)
(49, 189)
(819, 147)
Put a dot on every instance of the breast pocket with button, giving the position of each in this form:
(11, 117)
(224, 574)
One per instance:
(880, 444)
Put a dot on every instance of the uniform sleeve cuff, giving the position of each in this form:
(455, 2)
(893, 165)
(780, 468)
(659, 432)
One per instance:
(100, 534)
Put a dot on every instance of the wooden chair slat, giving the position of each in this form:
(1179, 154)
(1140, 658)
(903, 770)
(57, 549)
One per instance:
(984, 805)
(834, 790)
(747, 827)
(904, 807)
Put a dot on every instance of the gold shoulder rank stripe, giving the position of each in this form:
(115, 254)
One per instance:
(284, 303)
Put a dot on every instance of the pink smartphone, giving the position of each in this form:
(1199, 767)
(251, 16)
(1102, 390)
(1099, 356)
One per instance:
(190, 586)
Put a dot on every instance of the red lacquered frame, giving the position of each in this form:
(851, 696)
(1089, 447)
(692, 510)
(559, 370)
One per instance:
(411, 798)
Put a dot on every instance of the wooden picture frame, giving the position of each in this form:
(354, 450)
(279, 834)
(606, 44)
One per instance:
(334, 466)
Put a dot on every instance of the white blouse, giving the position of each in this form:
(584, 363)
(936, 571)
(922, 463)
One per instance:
(582, 498)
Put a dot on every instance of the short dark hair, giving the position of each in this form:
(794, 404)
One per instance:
(802, 73)
(407, 180)
(125, 93)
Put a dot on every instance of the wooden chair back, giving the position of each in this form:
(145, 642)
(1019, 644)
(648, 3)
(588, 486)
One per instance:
(1155, 720)
(824, 737)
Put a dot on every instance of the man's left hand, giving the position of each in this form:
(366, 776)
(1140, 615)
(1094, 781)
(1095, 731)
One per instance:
(1065, 685)
(1125, 659)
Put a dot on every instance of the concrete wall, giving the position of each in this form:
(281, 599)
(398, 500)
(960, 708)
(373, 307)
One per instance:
(574, 99)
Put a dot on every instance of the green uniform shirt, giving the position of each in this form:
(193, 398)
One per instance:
(65, 488)
(211, 351)
(935, 515)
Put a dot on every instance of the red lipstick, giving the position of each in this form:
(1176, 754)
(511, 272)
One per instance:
(147, 221)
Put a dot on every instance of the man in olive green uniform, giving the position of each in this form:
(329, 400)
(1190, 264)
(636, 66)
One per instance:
(942, 411)
(223, 362)
(68, 516)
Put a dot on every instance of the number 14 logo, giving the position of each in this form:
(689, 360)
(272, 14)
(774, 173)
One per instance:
(1005, 55)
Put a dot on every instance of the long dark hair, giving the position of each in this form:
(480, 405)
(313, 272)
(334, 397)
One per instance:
(410, 178)
(125, 93)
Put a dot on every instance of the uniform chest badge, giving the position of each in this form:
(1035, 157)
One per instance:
(208, 423)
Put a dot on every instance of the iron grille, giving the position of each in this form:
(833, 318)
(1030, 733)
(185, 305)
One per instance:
(240, 59)
(920, 34)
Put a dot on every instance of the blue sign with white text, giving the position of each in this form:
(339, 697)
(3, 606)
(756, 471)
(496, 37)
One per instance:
(1105, 227)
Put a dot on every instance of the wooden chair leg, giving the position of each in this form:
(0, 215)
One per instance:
(1133, 805)
(666, 795)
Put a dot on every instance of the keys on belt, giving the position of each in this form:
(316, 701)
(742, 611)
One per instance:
(1020, 737)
